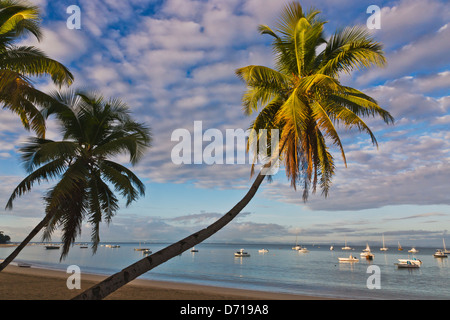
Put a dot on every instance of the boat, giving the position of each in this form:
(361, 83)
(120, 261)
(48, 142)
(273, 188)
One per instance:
(83, 247)
(331, 248)
(194, 250)
(52, 247)
(303, 249)
(384, 247)
(367, 249)
(23, 265)
(413, 250)
(439, 254)
(346, 247)
(367, 254)
(413, 261)
(263, 250)
(349, 259)
(445, 249)
(399, 247)
(146, 251)
(141, 249)
(241, 253)
(297, 246)
(407, 264)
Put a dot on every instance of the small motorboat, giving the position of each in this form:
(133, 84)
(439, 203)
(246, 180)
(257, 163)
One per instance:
(241, 253)
(413, 250)
(407, 264)
(194, 250)
(303, 250)
(412, 261)
(439, 254)
(349, 259)
(263, 250)
(52, 247)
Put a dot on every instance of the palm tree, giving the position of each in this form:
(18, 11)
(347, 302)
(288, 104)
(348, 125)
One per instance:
(94, 130)
(304, 99)
(19, 63)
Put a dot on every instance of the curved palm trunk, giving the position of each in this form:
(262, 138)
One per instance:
(32, 234)
(133, 271)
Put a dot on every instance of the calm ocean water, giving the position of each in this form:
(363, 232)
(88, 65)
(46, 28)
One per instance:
(282, 269)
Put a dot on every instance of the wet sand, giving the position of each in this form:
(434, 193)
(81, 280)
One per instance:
(29, 283)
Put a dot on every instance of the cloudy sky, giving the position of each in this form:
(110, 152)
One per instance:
(173, 62)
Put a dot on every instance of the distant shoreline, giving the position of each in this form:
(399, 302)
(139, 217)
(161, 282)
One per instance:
(17, 283)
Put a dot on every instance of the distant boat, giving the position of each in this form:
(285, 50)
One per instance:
(52, 247)
(241, 253)
(349, 259)
(445, 249)
(413, 250)
(407, 264)
(413, 261)
(263, 250)
(399, 247)
(141, 249)
(367, 254)
(439, 254)
(303, 249)
(384, 247)
(346, 247)
(331, 248)
(194, 250)
(296, 247)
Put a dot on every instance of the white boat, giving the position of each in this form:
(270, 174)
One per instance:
(331, 248)
(346, 247)
(303, 249)
(440, 254)
(445, 249)
(263, 250)
(413, 250)
(241, 253)
(349, 259)
(297, 246)
(413, 261)
(367, 249)
(384, 247)
(407, 264)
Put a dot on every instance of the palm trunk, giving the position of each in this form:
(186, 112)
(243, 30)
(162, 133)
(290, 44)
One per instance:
(133, 271)
(33, 233)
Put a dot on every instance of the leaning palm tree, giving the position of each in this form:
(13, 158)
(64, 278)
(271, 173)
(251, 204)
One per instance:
(94, 131)
(302, 98)
(19, 63)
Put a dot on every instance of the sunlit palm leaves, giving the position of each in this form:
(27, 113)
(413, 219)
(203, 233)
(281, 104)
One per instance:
(303, 97)
(18, 63)
(94, 131)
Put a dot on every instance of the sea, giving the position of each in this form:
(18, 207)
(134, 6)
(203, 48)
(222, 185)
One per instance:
(281, 269)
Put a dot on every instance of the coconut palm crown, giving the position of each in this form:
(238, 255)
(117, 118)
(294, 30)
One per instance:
(94, 132)
(303, 97)
(19, 63)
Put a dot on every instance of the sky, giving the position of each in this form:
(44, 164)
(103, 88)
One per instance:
(173, 62)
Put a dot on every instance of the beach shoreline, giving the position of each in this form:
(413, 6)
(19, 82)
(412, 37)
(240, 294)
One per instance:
(31, 283)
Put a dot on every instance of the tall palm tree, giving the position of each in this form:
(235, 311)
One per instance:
(19, 63)
(304, 99)
(94, 130)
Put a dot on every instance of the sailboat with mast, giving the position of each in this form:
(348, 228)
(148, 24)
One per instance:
(384, 247)
(345, 246)
(399, 247)
(445, 249)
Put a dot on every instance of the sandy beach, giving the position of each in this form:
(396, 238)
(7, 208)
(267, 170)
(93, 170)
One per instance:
(19, 283)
